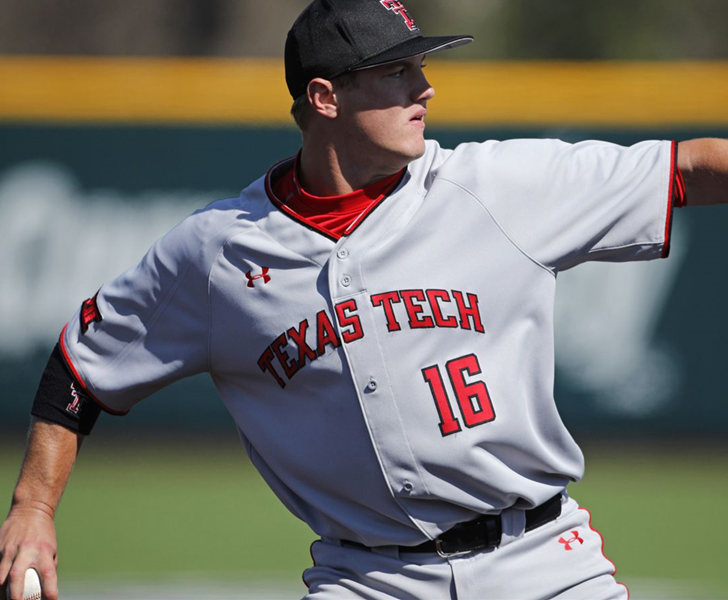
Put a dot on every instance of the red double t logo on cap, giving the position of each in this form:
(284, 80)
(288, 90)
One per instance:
(399, 9)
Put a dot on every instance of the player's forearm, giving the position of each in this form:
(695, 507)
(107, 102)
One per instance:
(49, 458)
(703, 163)
(28, 537)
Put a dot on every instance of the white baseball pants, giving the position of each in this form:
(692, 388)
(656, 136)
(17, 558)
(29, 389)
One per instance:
(562, 560)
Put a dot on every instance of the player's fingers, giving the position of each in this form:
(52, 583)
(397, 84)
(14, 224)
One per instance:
(40, 557)
(7, 555)
(12, 580)
(48, 578)
(15, 582)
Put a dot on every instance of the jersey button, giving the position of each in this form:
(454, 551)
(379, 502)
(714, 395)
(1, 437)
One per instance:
(372, 385)
(346, 281)
(342, 253)
(407, 487)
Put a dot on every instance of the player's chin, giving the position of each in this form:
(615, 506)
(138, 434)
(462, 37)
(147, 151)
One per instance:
(400, 160)
(418, 151)
(405, 150)
(415, 147)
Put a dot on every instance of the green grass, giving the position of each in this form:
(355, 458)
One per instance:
(155, 512)
(177, 511)
(662, 511)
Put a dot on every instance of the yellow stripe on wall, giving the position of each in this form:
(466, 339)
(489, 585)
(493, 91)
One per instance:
(585, 93)
(252, 91)
(142, 90)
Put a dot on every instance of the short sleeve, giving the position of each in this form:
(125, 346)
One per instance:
(564, 204)
(145, 329)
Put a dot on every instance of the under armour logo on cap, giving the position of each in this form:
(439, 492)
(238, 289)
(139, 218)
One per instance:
(331, 37)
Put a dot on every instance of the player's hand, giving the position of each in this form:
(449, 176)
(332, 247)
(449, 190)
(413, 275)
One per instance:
(28, 539)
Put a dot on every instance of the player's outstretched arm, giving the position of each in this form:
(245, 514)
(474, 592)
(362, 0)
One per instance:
(28, 536)
(703, 163)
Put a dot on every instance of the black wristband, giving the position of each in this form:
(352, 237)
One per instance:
(60, 397)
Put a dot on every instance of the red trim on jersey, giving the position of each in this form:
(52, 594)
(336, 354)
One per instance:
(679, 193)
(670, 200)
(333, 216)
(80, 381)
(601, 537)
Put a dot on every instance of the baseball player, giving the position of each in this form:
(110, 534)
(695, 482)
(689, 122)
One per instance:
(376, 314)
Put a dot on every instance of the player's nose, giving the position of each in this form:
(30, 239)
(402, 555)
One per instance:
(423, 90)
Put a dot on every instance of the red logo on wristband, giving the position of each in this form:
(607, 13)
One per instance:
(74, 406)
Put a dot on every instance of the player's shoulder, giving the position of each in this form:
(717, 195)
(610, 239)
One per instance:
(199, 237)
(222, 217)
(495, 149)
(465, 160)
(470, 155)
(520, 160)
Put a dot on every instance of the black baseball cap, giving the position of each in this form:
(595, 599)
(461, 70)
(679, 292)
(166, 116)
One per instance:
(332, 37)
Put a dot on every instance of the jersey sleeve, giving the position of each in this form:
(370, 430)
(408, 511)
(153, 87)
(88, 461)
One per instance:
(563, 204)
(146, 328)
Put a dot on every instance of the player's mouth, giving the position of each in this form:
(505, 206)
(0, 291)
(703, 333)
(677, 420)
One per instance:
(419, 118)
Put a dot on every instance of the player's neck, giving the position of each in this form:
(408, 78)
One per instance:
(324, 171)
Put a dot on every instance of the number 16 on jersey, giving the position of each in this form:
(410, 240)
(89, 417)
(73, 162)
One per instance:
(470, 395)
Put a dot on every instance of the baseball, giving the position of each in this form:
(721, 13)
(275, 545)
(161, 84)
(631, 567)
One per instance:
(31, 591)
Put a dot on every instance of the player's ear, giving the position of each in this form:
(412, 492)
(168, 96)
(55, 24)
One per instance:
(322, 98)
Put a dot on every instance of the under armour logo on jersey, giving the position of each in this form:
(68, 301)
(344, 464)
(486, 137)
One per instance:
(74, 406)
(89, 313)
(568, 544)
(398, 9)
(262, 275)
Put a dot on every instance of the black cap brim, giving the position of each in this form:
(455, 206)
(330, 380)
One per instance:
(413, 47)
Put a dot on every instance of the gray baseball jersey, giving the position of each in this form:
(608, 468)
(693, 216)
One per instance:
(399, 380)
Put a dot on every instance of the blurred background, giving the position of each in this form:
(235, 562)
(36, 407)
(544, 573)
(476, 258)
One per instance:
(505, 29)
(117, 119)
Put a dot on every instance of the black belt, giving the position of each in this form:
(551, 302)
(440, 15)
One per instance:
(482, 533)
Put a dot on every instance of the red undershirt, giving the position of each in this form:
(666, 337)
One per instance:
(335, 215)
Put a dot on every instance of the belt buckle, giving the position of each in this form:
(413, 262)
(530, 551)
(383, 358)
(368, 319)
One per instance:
(481, 534)
(443, 553)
